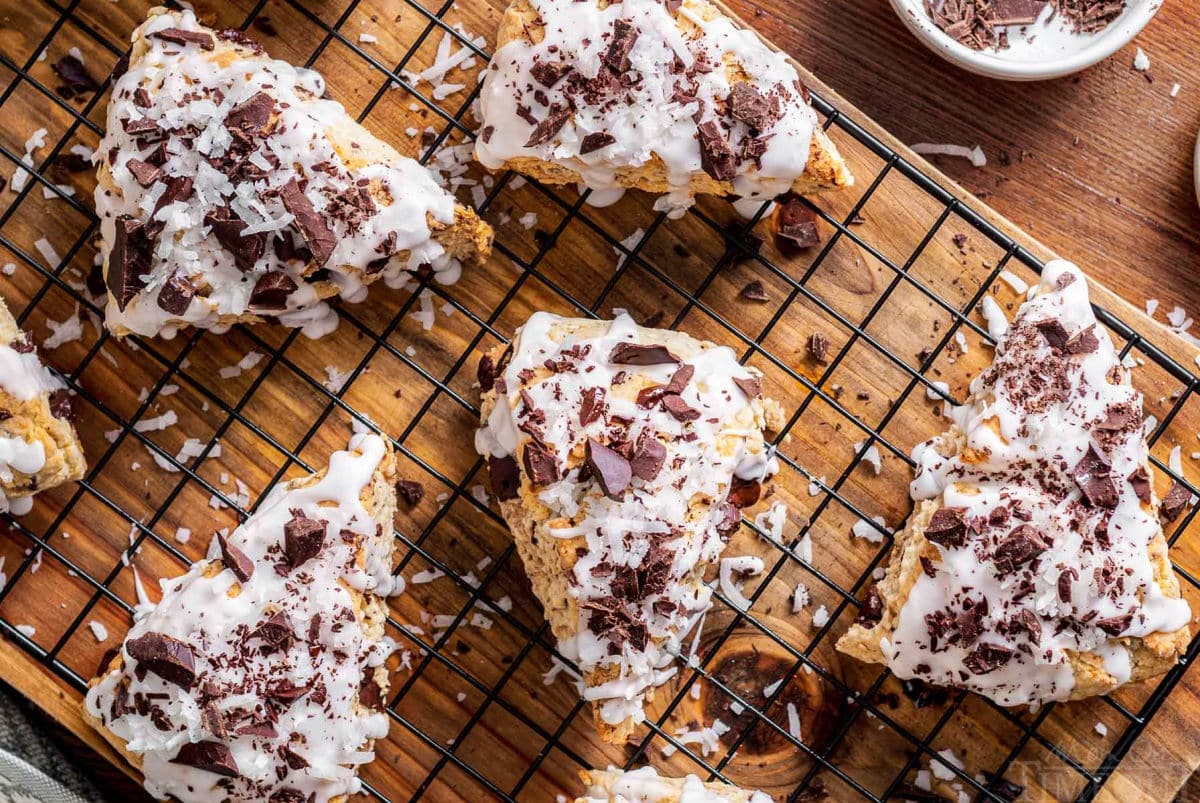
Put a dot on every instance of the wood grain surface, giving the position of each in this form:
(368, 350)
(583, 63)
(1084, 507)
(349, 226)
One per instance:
(417, 386)
(1099, 165)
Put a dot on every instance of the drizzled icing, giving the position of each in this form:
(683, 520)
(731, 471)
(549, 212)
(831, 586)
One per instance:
(189, 110)
(282, 669)
(1046, 516)
(640, 482)
(583, 99)
(645, 785)
(24, 378)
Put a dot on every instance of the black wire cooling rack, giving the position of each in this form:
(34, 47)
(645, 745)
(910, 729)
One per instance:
(432, 757)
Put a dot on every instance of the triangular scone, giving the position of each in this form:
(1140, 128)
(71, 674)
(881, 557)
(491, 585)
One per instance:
(39, 448)
(645, 785)
(232, 190)
(1034, 567)
(259, 676)
(668, 97)
(613, 450)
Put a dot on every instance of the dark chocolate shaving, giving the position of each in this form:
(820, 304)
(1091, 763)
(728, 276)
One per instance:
(1093, 475)
(545, 131)
(648, 457)
(411, 491)
(317, 235)
(623, 38)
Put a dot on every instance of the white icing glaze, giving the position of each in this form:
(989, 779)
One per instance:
(331, 734)
(647, 118)
(645, 785)
(1032, 418)
(23, 376)
(702, 457)
(190, 95)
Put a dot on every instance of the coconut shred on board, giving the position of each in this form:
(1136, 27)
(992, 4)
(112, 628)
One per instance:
(1024, 30)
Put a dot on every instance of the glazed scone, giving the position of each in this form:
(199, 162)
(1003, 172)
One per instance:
(1034, 567)
(645, 785)
(669, 97)
(231, 189)
(259, 675)
(39, 447)
(618, 453)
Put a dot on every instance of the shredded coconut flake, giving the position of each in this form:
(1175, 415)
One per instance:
(974, 155)
(99, 631)
(730, 587)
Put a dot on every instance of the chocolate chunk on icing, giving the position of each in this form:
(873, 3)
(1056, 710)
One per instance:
(1093, 475)
(646, 85)
(1041, 490)
(716, 157)
(639, 442)
(595, 141)
(273, 712)
(225, 158)
(748, 104)
(947, 527)
(176, 294)
(272, 290)
(303, 538)
(317, 235)
(610, 469)
(235, 559)
(252, 114)
(214, 757)
(165, 656)
(183, 36)
(505, 477)
(641, 354)
(228, 228)
(129, 260)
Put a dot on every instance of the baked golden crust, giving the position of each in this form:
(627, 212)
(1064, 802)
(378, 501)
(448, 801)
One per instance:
(599, 786)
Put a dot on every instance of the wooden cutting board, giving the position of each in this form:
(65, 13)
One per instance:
(479, 700)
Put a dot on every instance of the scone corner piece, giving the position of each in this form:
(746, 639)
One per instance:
(39, 447)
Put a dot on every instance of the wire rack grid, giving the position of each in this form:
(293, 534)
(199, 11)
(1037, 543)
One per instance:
(532, 746)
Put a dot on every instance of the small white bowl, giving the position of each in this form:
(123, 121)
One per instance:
(1055, 52)
(1196, 168)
